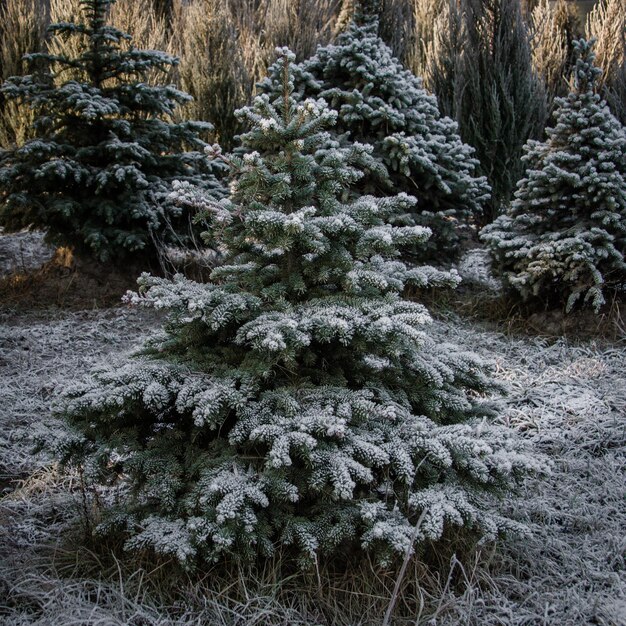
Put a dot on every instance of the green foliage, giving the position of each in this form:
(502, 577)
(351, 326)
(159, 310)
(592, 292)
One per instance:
(381, 103)
(565, 234)
(295, 400)
(97, 174)
(480, 67)
(500, 99)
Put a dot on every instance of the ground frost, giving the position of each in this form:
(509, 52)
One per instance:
(569, 399)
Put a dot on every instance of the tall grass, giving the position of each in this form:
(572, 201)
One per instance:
(443, 60)
(568, 20)
(424, 30)
(212, 67)
(140, 18)
(22, 30)
(66, 11)
(225, 47)
(550, 55)
(607, 23)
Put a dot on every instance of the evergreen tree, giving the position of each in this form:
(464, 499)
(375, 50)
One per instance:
(97, 175)
(381, 103)
(500, 101)
(295, 399)
(565, 233)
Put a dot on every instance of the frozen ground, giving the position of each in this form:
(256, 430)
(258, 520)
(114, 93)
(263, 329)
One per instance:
(23, 252)
(568, 398)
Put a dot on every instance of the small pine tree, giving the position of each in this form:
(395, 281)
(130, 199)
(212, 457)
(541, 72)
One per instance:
(565, 233)
(296, 399)
(381, 103)
(97, 176)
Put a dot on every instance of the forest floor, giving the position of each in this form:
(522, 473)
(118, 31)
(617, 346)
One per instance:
(567, 397)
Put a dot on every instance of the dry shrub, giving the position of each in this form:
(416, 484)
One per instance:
(425, 29)
(211, 65)
(68, 283)
(225, 47)
(299, 24)
(568, 21)
(141, 19)
(550, 47)
(607, 23)
(148, 28)
(346, 11)
(22, 30)
(66, 11)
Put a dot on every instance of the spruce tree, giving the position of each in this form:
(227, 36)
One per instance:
(565, 233)
(381, 103)
(97, 175)
(296, 399)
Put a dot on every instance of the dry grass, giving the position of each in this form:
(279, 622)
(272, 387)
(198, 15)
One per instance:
(140, 18)
(564, 397)
(212, 68)
(66, 11)
(22, 30)
(607, 23)
(62, 281)
(226, 47)
(481, 299)
(549, 48)
(569, 399)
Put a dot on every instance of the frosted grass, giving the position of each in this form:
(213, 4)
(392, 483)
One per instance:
(568, 398)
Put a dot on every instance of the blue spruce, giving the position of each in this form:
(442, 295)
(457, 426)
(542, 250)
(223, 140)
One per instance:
(295, 401)
(380, 102)
(97, 175)
(564, 237)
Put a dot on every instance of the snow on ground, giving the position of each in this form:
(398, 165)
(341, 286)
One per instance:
(568, 398)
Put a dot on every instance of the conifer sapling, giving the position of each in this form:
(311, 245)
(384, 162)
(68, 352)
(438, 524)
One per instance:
(381, 103)
(97, 175)
(564, 236)
(296, 400)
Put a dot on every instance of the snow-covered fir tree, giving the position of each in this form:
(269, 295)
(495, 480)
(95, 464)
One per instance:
(565, 233)
(97, 176)
(380, 102)
(296, 399)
